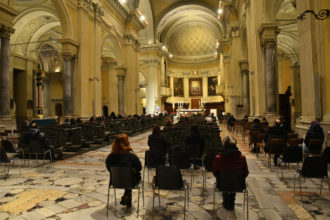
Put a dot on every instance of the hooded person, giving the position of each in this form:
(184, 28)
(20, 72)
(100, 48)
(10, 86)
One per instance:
(315, 131)
(230, 158)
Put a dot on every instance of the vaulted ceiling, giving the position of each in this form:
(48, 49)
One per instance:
(189, 29)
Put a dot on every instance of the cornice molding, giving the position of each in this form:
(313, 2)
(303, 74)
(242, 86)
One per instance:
(122, 10)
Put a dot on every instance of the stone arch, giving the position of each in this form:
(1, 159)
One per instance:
(64, 17)
(111, 48)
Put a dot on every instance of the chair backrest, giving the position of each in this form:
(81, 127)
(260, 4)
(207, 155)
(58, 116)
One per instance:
(314, 167)
(179, 159)
(276, 145)
(292, 154)
(315, 145)
(35, 146)
(231, 180)
(122, 177)
(209, 160)
(154, 158)
(295, 141)
(292, 135)
(168, 178)
(8, 146)
(3, 156)
(193, 150)
(326, 154)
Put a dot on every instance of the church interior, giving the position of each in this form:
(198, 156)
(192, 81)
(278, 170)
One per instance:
(85, 71)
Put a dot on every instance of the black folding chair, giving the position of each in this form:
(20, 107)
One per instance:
(292, 153)
(326, 154)
(123, 178)
(232, 181)
(314, 148)
(313, 167)
(9, 149)
(276, 146)
(36, 148)
(153, 159)
(170, 178)
(5, 161)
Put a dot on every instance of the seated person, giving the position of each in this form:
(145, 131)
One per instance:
(246, 118)
(156, 141)
(168, 122)
(277, 131)
(314, 132)
(35, 133)
(264, 121)
(255, 128)
(122, 155)
(228, 159)
(195, 138)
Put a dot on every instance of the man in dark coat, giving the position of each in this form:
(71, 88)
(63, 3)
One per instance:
(229, 159)
(156, 140)
(195, 138)
(255, 129)
(277, 131)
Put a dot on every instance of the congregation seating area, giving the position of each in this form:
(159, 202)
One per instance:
(69, 140)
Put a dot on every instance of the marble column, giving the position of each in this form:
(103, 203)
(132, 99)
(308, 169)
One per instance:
(268, 34)
(121, 99)
(244, 67)
(67, 85)
(5, 33)
(296, 89)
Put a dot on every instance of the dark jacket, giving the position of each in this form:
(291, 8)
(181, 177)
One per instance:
(125, 160)
(314, 132)
(255, 128)
(195, 138)
(229, 159)
(157, 142)
(36, 134)
(274, 132)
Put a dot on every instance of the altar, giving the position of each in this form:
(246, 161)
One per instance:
(181, 112)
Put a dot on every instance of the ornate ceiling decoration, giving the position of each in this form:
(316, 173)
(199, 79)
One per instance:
(190, 33)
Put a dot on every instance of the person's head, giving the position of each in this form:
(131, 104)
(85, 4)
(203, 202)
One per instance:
(256, 121)
(121, 144)
(229, 142)
(277, 123)
(264, 119)
(79, 120)
(91, 118)
(66, 120)
(34, 125)
(156, 130)
(315, 123)
(245, 116)
(72, 121)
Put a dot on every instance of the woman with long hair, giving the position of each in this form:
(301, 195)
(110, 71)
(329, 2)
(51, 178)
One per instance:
(122, 156)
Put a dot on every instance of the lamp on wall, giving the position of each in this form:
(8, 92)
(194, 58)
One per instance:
(321, 15)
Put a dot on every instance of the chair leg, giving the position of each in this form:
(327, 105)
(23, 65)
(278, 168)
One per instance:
(184, 206)
(214, 214)
(114, 190)
(138, 206)
(143, 193)
(300, 187)
(158, 196)
(247, 204)
(321, 187)
(107, 207)
(153, 201)
(294, 184)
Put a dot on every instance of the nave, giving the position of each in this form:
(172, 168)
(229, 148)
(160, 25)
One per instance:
(76, 188)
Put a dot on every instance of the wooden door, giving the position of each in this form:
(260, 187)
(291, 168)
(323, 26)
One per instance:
(195, 103)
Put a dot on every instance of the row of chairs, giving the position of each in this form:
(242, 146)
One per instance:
(170, 178)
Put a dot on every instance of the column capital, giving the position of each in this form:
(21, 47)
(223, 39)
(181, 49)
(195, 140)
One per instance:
(268, 33)
(69, 48)
(6, 31)
(244, 66)
(121, 72)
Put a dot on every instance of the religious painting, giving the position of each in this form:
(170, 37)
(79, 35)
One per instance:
(178, 86)
(195, 87)
(212, 83)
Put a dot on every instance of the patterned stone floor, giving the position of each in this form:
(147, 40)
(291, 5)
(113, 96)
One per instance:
(76, 188)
